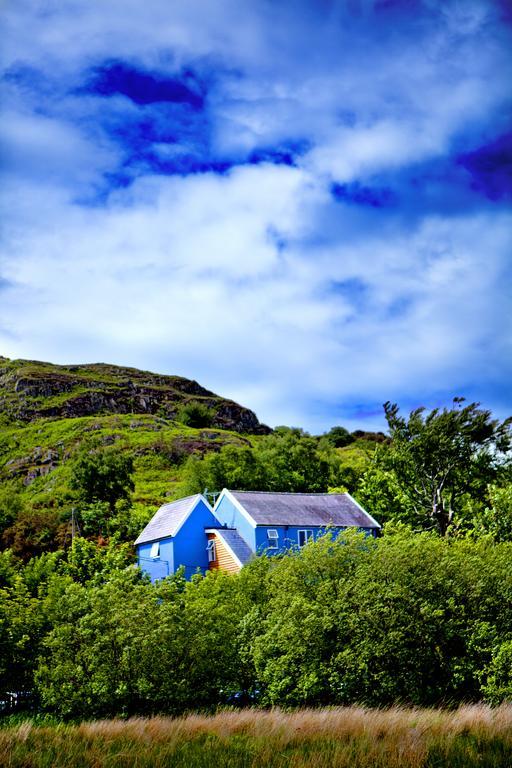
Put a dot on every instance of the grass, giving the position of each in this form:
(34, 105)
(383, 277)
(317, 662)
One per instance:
(145, 437)
(351, 737)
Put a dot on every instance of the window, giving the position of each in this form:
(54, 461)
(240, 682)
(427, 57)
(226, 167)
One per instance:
(210, 548)
(304, 536)
(272, 537)
(155, 550)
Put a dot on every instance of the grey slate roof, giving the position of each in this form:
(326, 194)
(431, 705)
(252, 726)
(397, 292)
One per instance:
(316, 509)
(235, 543)
(168, 519)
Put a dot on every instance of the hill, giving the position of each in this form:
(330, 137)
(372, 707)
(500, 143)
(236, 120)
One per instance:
(46, 411)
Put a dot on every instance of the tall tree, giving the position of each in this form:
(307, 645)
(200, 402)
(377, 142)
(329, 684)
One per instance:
(103, 474)
(440, 456)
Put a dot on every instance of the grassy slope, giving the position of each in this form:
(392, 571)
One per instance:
(36, 450)
(340, 738)
(146, 438)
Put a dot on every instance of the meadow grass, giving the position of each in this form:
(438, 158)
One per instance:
(352, 737)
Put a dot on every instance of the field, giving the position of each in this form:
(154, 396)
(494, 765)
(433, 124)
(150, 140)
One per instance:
(339, 738)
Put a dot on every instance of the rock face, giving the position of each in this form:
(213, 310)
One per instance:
(31, 390)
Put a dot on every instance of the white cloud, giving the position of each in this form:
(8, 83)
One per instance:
(186, 280)
(240, 280)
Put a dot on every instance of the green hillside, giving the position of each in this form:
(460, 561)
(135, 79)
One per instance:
(47, 411)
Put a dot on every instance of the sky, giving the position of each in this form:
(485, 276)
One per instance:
(305, 205)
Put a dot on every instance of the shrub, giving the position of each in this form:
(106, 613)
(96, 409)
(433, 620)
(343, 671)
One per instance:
(196, 415)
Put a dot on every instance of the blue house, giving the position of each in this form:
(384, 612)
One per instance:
(190, 533)
(175, 536)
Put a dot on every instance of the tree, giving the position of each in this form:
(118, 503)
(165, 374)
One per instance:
(103, 474)
(496, 518)
(405, 618)
(288, 460)
(440, 456)
(339, 437)
(382, 495)
(128, 646)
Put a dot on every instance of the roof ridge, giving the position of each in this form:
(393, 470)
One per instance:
(290, 493)
(183, 498)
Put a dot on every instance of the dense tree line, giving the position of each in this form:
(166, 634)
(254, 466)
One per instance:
(448, 471)
(413, 618)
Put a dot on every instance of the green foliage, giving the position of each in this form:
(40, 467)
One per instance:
(196, 414)
(34, 532)
(9, 566)
(128, 646)
(498, 675)
(102, 475)
(285, 461)
(20, 629)
(376, 622)
(11, 505)
(405, 618)
(339, 437)
(380, 492)
(158, 448)
(439, 457)
(496, 518)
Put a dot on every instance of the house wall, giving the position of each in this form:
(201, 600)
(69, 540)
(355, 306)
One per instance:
(230, 516)
(190, 541)
(160, 567)
(224, 560)
(289, 536)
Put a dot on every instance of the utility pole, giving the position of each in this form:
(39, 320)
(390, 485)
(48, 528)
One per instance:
(75, 528)
(214, 495)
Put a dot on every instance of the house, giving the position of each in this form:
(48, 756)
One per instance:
(190, 533)
(176, 536)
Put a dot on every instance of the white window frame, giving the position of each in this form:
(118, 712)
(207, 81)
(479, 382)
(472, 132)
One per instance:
(155, 551)
(212, 550)
(308, 536)
(272, 538)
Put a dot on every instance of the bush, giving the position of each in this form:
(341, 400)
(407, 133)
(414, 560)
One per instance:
(34, 532)
(196, 415)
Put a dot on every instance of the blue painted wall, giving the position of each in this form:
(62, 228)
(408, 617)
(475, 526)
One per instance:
(158, 568)
(230, 516)
(190, 541)
(288, 536)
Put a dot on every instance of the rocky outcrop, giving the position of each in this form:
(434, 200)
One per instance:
(30, 390)
(40, 462)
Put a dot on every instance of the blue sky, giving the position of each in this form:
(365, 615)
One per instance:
(305, 206)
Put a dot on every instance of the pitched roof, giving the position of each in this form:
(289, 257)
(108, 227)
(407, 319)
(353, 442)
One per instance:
(169, 519)
(317, 509)
(235, 543)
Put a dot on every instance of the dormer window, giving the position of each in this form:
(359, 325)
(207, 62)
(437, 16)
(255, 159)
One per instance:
(155, 550)
(272, 538)
(210, 548)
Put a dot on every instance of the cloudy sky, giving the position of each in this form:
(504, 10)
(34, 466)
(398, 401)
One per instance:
(303, 204)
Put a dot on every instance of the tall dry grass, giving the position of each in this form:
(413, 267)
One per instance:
(352, 737)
